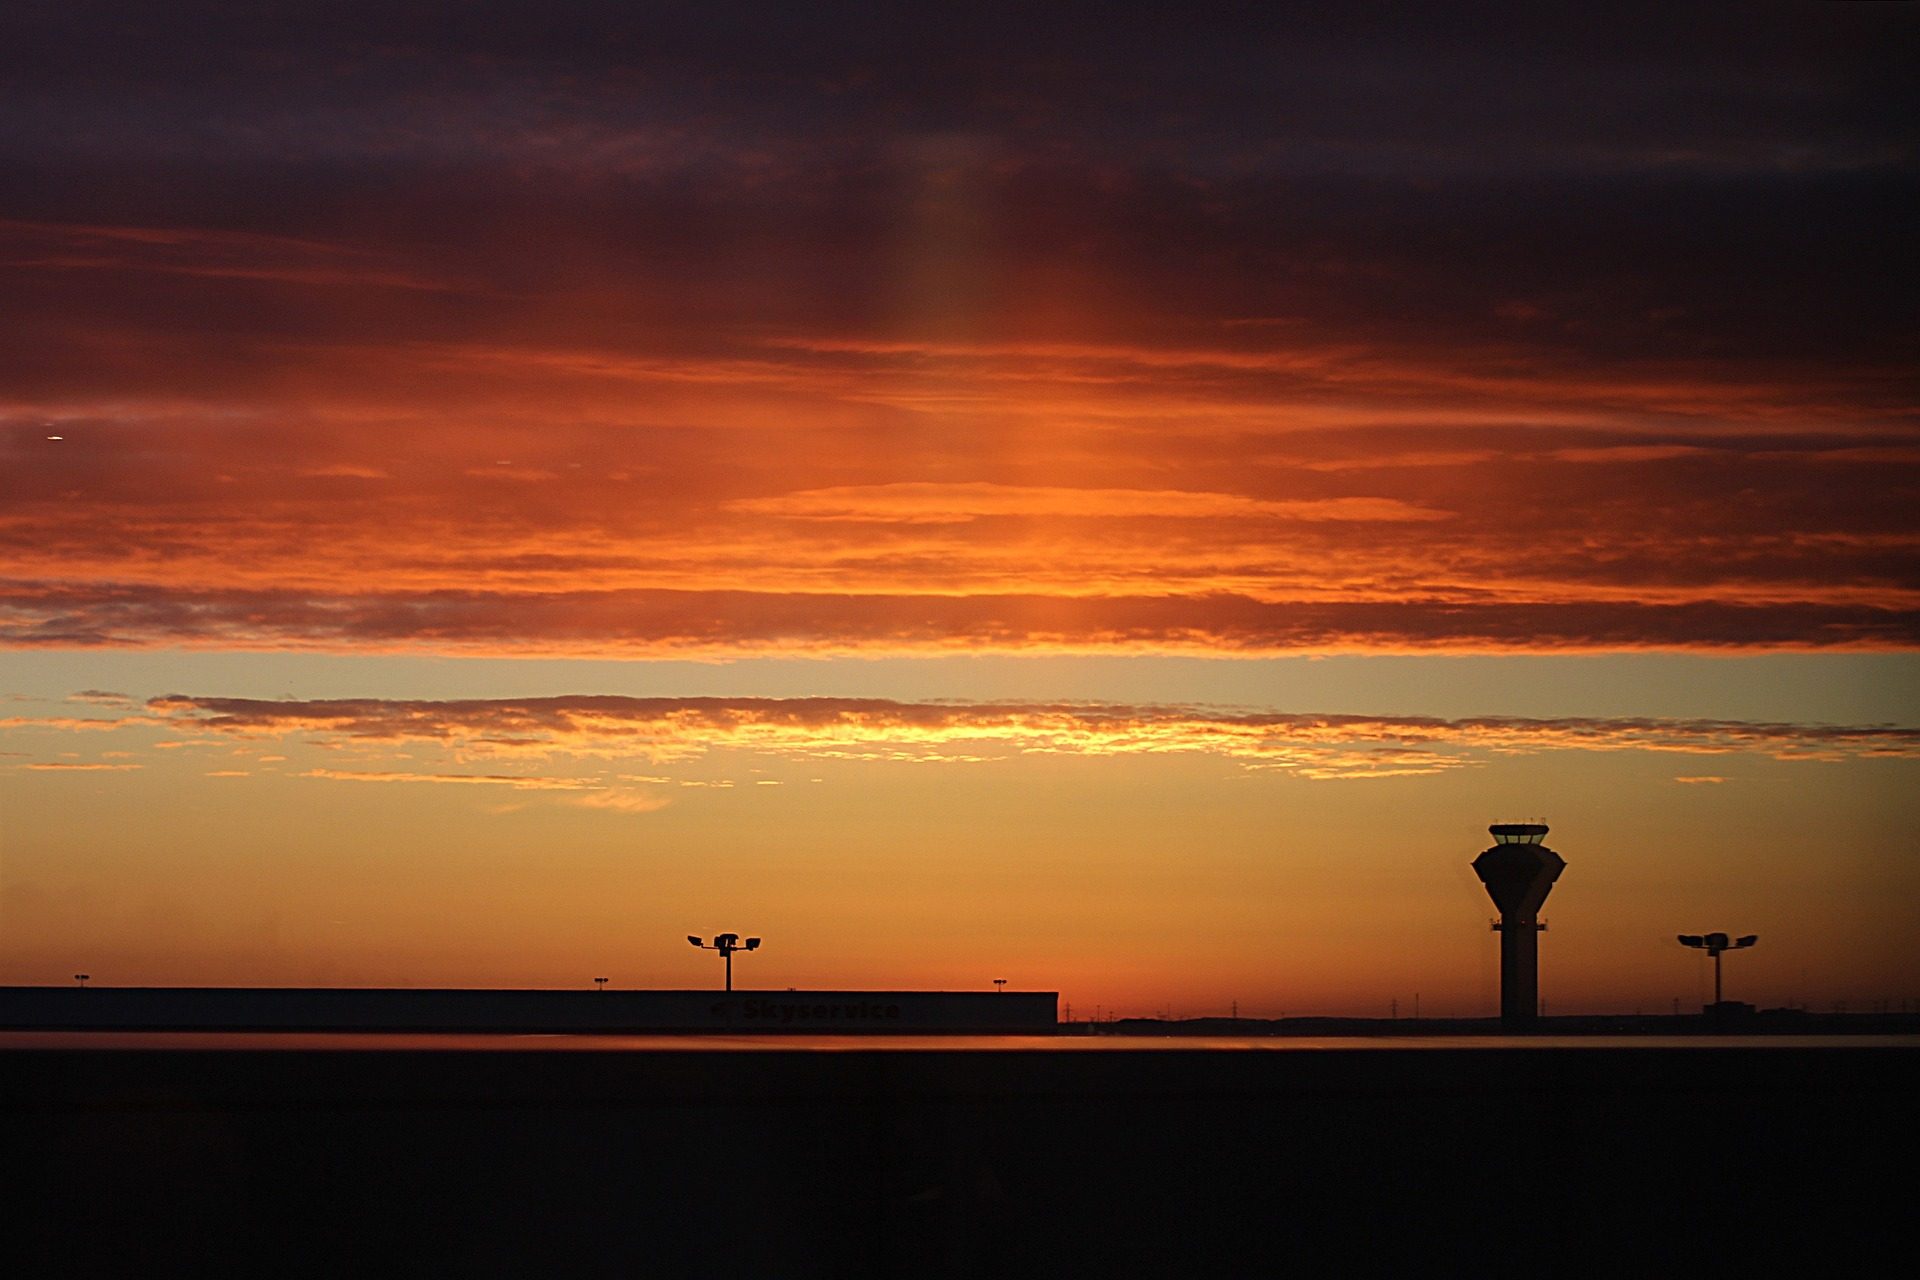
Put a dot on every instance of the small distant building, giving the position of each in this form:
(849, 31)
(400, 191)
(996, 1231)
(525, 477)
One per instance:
(526, 1012)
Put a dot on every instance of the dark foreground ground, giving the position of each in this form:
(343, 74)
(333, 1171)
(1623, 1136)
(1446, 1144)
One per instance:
(938, 1163)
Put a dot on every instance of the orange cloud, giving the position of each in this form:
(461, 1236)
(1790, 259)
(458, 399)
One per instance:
(624, 801)
(60, 767)
(941, 503)
(680, 729)
(515, 781)
(77, 724)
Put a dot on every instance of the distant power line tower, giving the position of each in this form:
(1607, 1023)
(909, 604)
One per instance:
(1714, 944)
(1518, 872)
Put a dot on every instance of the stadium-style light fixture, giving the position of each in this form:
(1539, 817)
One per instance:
(1714, 944)
(726, 944)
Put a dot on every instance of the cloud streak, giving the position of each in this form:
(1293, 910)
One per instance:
(518, 782)
(65, 767)
(668, 730)
(674, 623)
(950, 503)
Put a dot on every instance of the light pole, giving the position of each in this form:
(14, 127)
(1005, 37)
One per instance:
(81, 978)
(1714, 944)
(726, 944)
(600, 983)
(999, 985)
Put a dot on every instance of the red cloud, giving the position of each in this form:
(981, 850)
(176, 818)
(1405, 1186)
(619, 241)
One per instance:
(573, 465)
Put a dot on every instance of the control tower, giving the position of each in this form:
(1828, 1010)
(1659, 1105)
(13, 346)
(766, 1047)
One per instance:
(1519, 872)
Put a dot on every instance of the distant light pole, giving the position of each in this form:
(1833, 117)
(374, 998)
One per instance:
(999, 985)
(81, 978)
(1713, 944)
(726, 944)
(601, 983)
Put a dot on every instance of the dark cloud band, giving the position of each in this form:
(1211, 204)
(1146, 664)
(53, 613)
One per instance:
(659, 623)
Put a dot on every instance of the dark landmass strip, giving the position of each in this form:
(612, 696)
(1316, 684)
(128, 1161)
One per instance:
(1739, 1019)
(548, 1012)
(1603, 1160)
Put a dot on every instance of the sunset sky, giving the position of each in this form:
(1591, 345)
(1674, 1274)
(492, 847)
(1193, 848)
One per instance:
(1115, 500)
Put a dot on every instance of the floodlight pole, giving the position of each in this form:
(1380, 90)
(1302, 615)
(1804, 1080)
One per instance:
(726, 944)
(1716, 945)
